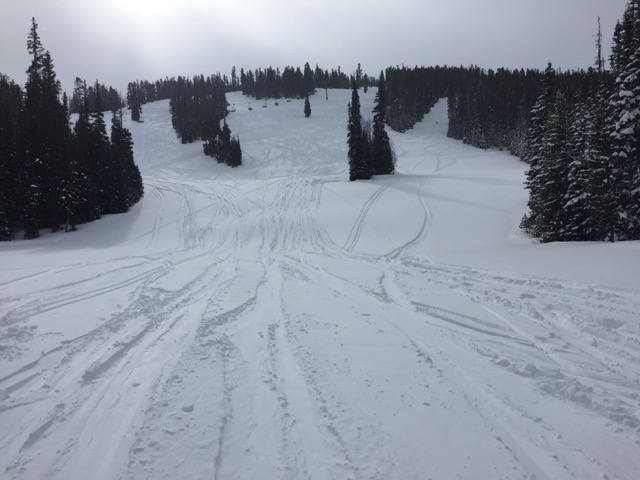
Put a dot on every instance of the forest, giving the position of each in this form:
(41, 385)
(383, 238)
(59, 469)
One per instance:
(575, 129)
(53, 175)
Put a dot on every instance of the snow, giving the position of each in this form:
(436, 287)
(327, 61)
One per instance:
(277, 321)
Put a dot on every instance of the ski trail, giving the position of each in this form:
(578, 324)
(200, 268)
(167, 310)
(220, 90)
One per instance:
(422, 233)
(356, 229)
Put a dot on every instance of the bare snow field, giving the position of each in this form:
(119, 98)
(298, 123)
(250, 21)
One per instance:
(277, 321)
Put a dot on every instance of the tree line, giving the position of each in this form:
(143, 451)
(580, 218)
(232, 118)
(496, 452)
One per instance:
(110, 98)
(584, 149)
(491, 109)
(198, 105)
(577, 130)
(293, 82)
(52, 175)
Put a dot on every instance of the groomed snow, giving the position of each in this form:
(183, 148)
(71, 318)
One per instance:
(276, 321)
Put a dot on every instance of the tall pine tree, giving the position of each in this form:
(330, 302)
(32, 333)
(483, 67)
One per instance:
(359, 168)
(625, 102)
(535, 152)
(381, 153)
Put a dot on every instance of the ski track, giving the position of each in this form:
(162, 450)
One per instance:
(232, 338)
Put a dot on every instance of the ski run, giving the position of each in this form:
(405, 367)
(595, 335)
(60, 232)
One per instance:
(276, 321)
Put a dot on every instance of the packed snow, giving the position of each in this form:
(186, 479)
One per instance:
(277, 321)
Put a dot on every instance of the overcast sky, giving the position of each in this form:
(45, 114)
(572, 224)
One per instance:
(116, 41)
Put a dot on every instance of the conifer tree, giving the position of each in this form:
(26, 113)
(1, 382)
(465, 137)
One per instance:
(601, 186)
(129, 188)
(553, 173)
(578, 224)
(10, 108)
(307, 107)
(134, 101)
(359, 168)
(45, 141)
(534, 154)
(625, 101)
(56, 176)
(382, 156)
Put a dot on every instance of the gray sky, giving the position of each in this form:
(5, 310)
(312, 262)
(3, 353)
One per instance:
(116, 41)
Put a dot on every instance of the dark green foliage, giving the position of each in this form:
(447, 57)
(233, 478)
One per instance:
(370, 151)
(110, 97)
(197, 106)
(224, 148)
(44, 136)
(10, 186)
(307, 107)
(382, 160)
(625, 103)
(291, 82)
(411, 93)
(359, 165)
(134, 101)
(129, 188)
(551, 181)
(584, 151)
(57, 177)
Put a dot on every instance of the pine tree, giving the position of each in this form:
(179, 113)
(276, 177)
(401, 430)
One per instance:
(578, 224)
(359, 168)
(534, 153)
(134, 101)
(44, 141)
(552, 179)
(128, 189)
(601, 186)
(625, 101)
(382, 156)
(307, 107)
(10, 107)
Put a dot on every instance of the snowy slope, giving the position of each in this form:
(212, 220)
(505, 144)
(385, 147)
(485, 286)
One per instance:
(276, 321)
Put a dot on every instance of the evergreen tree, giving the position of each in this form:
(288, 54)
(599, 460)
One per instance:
(10, 108)
(130, 188)
(553, 173)
(45, 142)
(134, 102)
(601, 185)
(578, 225)
(381, 154)
(307, 107)
(56, 176)
(625, 101)
(534, 154)
(359, 168)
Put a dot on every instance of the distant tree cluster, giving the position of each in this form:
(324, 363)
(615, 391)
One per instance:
(491, 109)
(52, 176)
(110, 98)
(224, 148)
(141, 92)
(412, 92)
(584, 149)
(197, 108)
(293, 82)
(369, 151)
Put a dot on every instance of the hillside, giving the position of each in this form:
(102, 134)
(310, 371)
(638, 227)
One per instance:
(276, 321)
